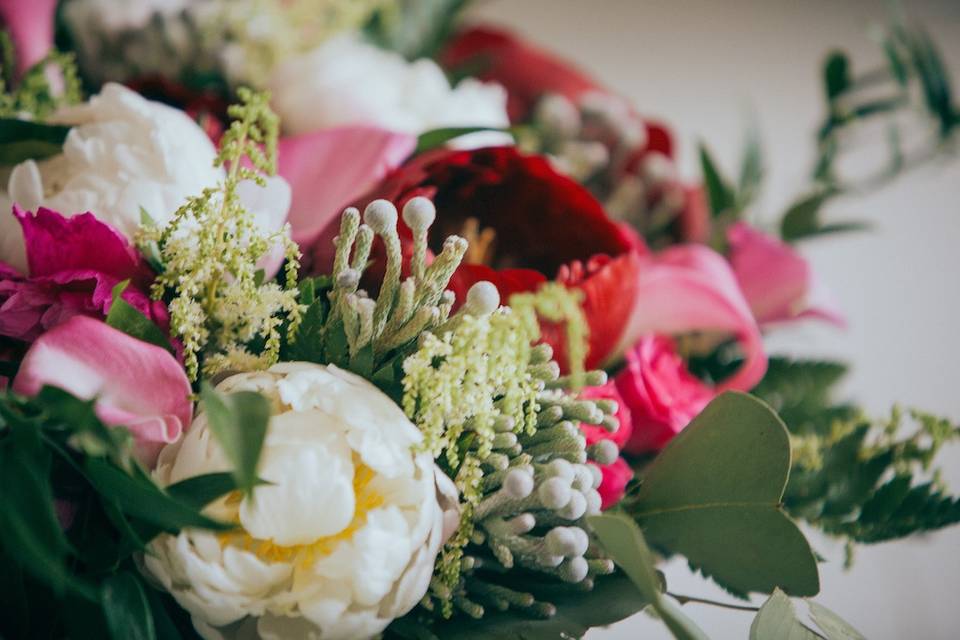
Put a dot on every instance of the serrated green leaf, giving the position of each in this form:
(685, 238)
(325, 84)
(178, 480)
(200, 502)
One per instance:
(722, 479)
(126, 608)
(719, 192)
(777, 620)
(124, 317)
(239, 423)
(23, 140)
(623, 541)
(751, 171)
(832, 625)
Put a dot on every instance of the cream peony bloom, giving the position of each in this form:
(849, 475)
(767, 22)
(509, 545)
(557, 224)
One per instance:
(344, 539)
(125, 152)
(348, 81)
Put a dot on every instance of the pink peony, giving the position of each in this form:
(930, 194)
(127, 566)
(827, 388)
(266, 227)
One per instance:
(136, 385)
(617, 474)
(661, 394)
(74, 263)
(776, 280)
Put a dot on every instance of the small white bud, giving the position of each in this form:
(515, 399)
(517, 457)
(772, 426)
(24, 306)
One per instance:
(575, 508)
(348, 279)
(419, 213)
(482, 299)
(605, 452)
(560, 468)
(381, 216)
(574, 569)
(594, 502)
(582, 541)
(560, 541)
(518, 484)
(554, 493)
(596, 473)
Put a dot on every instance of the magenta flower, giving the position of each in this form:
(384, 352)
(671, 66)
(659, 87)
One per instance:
(74, 264)
(777, 281)
(136, 385)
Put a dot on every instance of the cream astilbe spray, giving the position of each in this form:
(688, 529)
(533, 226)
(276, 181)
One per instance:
(208, 256)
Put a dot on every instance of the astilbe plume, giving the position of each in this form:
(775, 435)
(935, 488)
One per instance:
(208, 253)
(34, 95)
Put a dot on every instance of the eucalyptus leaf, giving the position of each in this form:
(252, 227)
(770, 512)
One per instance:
(836, 74)
(714, 496)
(239, 423)
(777, 620)
(24, 140)
(622, 540)
(126, 608)
(832, 625)
(125, 317)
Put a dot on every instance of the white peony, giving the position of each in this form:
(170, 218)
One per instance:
(125, 152)
(344, 539)
(349, 81)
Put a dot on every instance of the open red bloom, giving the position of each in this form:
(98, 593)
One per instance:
(538, 225)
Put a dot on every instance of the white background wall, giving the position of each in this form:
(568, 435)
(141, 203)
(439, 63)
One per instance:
(708, 68)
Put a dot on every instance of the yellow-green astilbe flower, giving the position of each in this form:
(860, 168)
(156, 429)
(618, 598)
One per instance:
(35, 97)
(209, 253)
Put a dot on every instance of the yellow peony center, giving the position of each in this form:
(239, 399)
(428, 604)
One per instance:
(306, 554)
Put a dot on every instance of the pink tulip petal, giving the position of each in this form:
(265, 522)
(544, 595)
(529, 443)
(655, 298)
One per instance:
(692, 288)
(30, 25)
(329, 169)
(137, 385)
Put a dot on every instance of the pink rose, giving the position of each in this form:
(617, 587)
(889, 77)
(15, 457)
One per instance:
(617, 474)
(777, 282)
(136, 385)
(661, 394)
(74, 264)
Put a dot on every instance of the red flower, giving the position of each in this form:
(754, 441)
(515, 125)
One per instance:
(74, 264)
(544, 226)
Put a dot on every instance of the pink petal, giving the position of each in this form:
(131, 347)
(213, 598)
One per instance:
(692, 288)
(777, 281)
(329, 169)
(614, 483)
(30, 25)
(137, 385)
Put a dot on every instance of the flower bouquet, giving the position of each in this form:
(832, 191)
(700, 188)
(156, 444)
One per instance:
(347, 319)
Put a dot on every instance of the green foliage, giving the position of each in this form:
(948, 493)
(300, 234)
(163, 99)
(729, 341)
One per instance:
(436, 138)
(34, 97)
(239, 422)
(777, 620)
(74, 507)
(802, 219)
(22, 140)
(861, 480)
(723, 479)
(720, 194)
(622, 540)
(125, 317)
(414, 28)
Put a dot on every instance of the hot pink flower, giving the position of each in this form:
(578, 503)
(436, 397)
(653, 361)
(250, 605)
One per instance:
(74, 263)
(617, 474)
(30, 25)
(776, 280)
(136, 385)
(661, 394)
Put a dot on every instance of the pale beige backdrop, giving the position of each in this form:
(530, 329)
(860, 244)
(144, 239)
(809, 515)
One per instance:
(707, 68)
